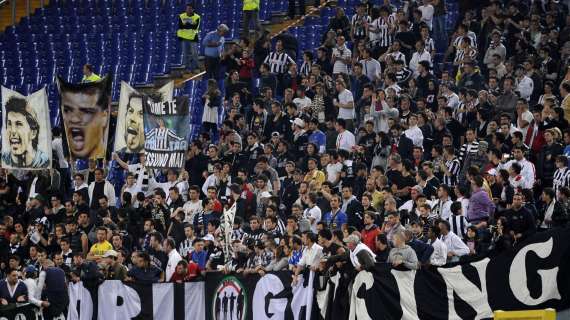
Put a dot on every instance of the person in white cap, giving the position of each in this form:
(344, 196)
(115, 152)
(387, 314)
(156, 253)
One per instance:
(300, 137)
(115, 270)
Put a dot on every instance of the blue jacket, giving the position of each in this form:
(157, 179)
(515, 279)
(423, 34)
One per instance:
(21, 290)
(422, 249)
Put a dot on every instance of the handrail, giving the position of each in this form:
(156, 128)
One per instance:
(303, 18)
(194, 77)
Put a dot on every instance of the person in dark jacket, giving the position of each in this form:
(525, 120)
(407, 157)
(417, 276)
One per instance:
(422, 249)
(55, 292)
(352, 207)
(12, 289)
(143, 272)
(519, 221)
(382, 248)
(403, 143)
(553, 213)
(546, 160)
(471, 79)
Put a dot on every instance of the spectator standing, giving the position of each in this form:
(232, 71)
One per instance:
(481, 207)
(12, 289)
(212, 101)
(439, 256)
(89, 75)
(345, 104)
(188, 32)
(455, 246)
(250, 14)
(361, 256)
(213, 44)
(402, 254)
(173, 257)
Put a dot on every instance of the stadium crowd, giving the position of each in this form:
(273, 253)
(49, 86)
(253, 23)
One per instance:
(376, 149)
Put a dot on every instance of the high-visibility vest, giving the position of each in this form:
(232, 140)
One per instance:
(188, 34)
(250, 5)
(92, 78)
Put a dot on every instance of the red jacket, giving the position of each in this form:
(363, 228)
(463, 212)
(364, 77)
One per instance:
(369, 237)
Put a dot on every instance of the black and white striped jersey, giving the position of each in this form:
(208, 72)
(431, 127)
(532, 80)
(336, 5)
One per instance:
(278, 62)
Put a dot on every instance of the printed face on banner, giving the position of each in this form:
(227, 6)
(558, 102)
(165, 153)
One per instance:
(26, 130)
(85, 111)
(229, 300)
(166, 130)
(134, 130)
(129, 134)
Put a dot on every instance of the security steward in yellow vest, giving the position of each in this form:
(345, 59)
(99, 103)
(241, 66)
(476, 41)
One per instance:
(188, 32)
(250, 12)
(89, 75)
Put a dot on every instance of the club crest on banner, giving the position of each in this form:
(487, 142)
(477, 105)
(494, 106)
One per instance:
(229, 300)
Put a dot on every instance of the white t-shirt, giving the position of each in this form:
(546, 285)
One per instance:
(57, 146)
(302, 103)
(311, 256)
(345, 97)
(315, 213)
(371, 68)
(190, 209)
(416, 135)
(345, 140)
(333, 169)
(427, 14)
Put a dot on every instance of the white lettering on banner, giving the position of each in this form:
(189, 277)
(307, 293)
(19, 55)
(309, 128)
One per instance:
(518, 277)
(163, 301)
(266, 289)
(195, 301)
(109, 291)
(358, 308)
(303, 297)
(467, 290)
(157, 108)
(405, 282)
(79, 297)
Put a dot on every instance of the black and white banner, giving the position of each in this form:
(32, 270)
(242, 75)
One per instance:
(166, 130)
(115, 300)
(536, 275)
(129, 133)
(26, 130)
(23, 311)
(271, 296)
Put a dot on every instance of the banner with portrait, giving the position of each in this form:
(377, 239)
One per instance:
(85, 109)
(26, 130)
(166, 132)
(129, 133)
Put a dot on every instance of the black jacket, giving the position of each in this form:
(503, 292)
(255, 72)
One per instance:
(405, 146)
(354, 214)
(559, 215)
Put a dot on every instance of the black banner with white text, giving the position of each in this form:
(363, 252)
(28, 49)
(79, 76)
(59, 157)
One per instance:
(535, 275)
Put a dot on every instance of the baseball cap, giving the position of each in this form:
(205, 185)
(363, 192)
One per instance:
(30, 269)
(299, 122)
